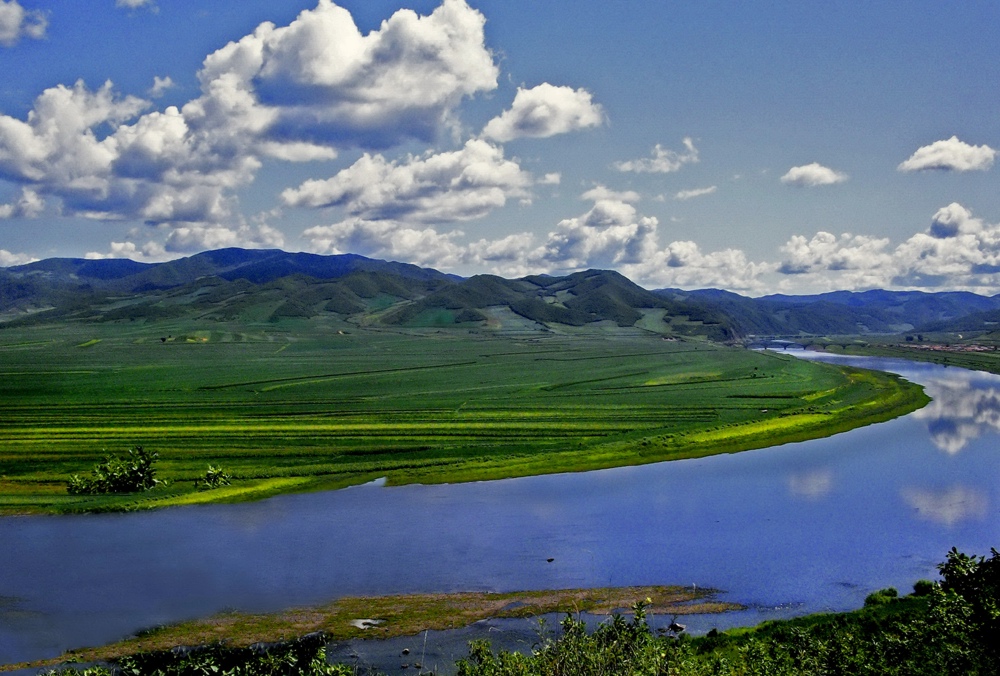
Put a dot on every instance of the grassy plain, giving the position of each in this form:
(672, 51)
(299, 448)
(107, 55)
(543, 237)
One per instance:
(305, 405)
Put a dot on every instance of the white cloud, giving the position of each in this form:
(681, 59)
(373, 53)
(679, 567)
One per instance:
(8, 259)
(957, 252)
(600, 192)
(683, 264)
(554, 178)
(811, 175)
(198, 237)
(684, 195)
(950, 155)
(443, 187)
(296, 151)
(611, 234)
(135, 4)
(17, 22)
(954, 220)
(388, 239)
(150, 252)
(663, 161)
(28, 205)
(544, 111)
(826, 252)
(295, 93)
(160, 85)
(320, 80)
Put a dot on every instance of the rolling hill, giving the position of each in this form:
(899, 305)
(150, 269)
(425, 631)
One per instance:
(272, 285)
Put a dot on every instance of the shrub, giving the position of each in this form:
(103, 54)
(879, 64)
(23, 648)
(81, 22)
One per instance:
(882, 596)
(129, 473)
(214, 478)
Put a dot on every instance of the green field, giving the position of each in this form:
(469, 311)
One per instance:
(308, 405)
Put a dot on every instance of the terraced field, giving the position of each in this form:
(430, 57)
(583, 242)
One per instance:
(306, 405)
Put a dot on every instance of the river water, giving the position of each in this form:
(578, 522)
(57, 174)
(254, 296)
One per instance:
(796, 528)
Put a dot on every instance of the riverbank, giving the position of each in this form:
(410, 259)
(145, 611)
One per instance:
(394, 616)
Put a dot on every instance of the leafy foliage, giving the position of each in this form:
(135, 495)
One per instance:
(950, 628)
(130, 473)
(215, 477)
(882, 596)
(305, 656)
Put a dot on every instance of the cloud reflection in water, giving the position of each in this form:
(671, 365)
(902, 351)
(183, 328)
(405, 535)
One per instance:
(949, 506)
(959, 413)
(811, 485)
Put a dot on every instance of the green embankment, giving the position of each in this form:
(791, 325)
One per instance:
(300, 405)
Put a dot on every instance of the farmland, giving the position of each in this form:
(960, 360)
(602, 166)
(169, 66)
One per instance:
(301, 405)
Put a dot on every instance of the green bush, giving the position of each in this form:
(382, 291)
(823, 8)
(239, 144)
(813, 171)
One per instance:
(881, 597)
(129, 473)
(214, 478)
(305, 656)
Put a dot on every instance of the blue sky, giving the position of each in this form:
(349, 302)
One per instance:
(754, 146)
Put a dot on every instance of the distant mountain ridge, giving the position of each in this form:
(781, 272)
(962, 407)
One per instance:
(271, 285)
(841, 312)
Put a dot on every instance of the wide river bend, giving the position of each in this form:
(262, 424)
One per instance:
(796, 528)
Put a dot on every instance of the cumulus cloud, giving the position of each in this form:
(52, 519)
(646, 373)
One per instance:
(28, 205)
(825, 252)
(684, 195)
(950, 155)
(954, 220)
(135, 4)
(611, 234)
(388, 239)
(811, 175)
(663, 161)
(160, 86)
(8, 259)
(554, 178)
(198, 237)
(149, 252)
(544, 111)
(294, 93)
(600, 192)
(450, 186)
(17, 22)
(319, 79)
(957, 251)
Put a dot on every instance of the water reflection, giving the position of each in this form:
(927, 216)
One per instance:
(949, 506)
(960, 411)
(812, 485)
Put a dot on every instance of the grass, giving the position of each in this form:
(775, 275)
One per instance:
(305, 405)
(401, 615)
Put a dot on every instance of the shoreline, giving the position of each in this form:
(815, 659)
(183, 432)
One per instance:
(398, 615)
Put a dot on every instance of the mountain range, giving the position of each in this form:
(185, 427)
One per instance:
(272, 285)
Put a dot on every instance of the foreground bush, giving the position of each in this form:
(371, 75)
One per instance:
(951, 628)
(129, 473)
(305, 656)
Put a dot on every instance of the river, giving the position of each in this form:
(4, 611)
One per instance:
(795, 528)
